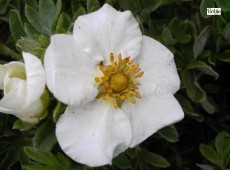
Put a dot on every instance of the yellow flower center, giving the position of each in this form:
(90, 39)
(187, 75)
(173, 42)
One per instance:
(119, 81)
(20, 75)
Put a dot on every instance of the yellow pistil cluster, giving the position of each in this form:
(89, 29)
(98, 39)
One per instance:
(119, 81)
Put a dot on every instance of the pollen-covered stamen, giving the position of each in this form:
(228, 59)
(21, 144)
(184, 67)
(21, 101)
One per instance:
(119, 81)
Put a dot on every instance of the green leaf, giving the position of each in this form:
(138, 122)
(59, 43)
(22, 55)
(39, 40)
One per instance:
(29, 44)
(188, 109)
(23, 126)
(122, 162)
(92, 5)
(46, 158)
(185, 103)
(179, 30)
(11, 157)
(16, 26)
(181, 60)
(3, 6)
(224, 56)
(226, 32)
(45, 138)
(132, 152)
(205, 166)
(80, 11)
(58, 110)
(148, 8)
(223, 4)
(129, 5)
(32, 3)
(208, 107)
(168, 37)
(210, 154)
(65, 161)
(154, 159)
(204, 5)
(44, 20)
(63, 23)
(222, 144)
(203, 67)
(30, 30)
(201, 40)
(169, 133)
(37, 167)
(193, 89)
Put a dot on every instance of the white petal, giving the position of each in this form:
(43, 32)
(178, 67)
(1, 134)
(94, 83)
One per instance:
(22, 97)
(108, 30)
(159, 68)
(14, 66)
(70, 72)
(35, 78)
(9, 80)
(93, 134)
(13, 102)
(152, 113)
(13, 83)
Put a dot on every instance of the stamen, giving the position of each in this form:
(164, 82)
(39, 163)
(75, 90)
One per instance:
(137, 94)
(97, 79)
(132, 100)
(111, 57)
(115, 104)
(140, 74)
(119, 81)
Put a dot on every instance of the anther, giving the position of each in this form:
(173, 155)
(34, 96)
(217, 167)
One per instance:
(140, 74)
(119, 59)
(131, 61)
(109, 91)
(122, 97)
(106, 84)
(105, 98)
(111, 57)
(136, 83)
(132, 100)
(97, 79)
(115, 104)
(137, 94)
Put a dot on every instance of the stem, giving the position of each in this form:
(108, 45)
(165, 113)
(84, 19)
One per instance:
(7, 51)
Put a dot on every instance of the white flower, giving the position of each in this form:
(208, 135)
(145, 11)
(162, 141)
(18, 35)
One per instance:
(23, 86)
(117, 83)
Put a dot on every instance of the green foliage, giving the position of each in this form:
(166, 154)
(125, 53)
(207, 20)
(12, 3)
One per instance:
(16, 26)
(3, 6)
(20, 125)
(44, 138)
(122, 162)
(193, 89)
(46, 160)
(44, 19)
(92, 5)
(154, 159)
(220, 156)
(223, 4)
(169, 133)
(201, 40)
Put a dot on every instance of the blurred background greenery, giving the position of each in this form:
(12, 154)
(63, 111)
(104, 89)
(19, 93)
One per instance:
(201, 46)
